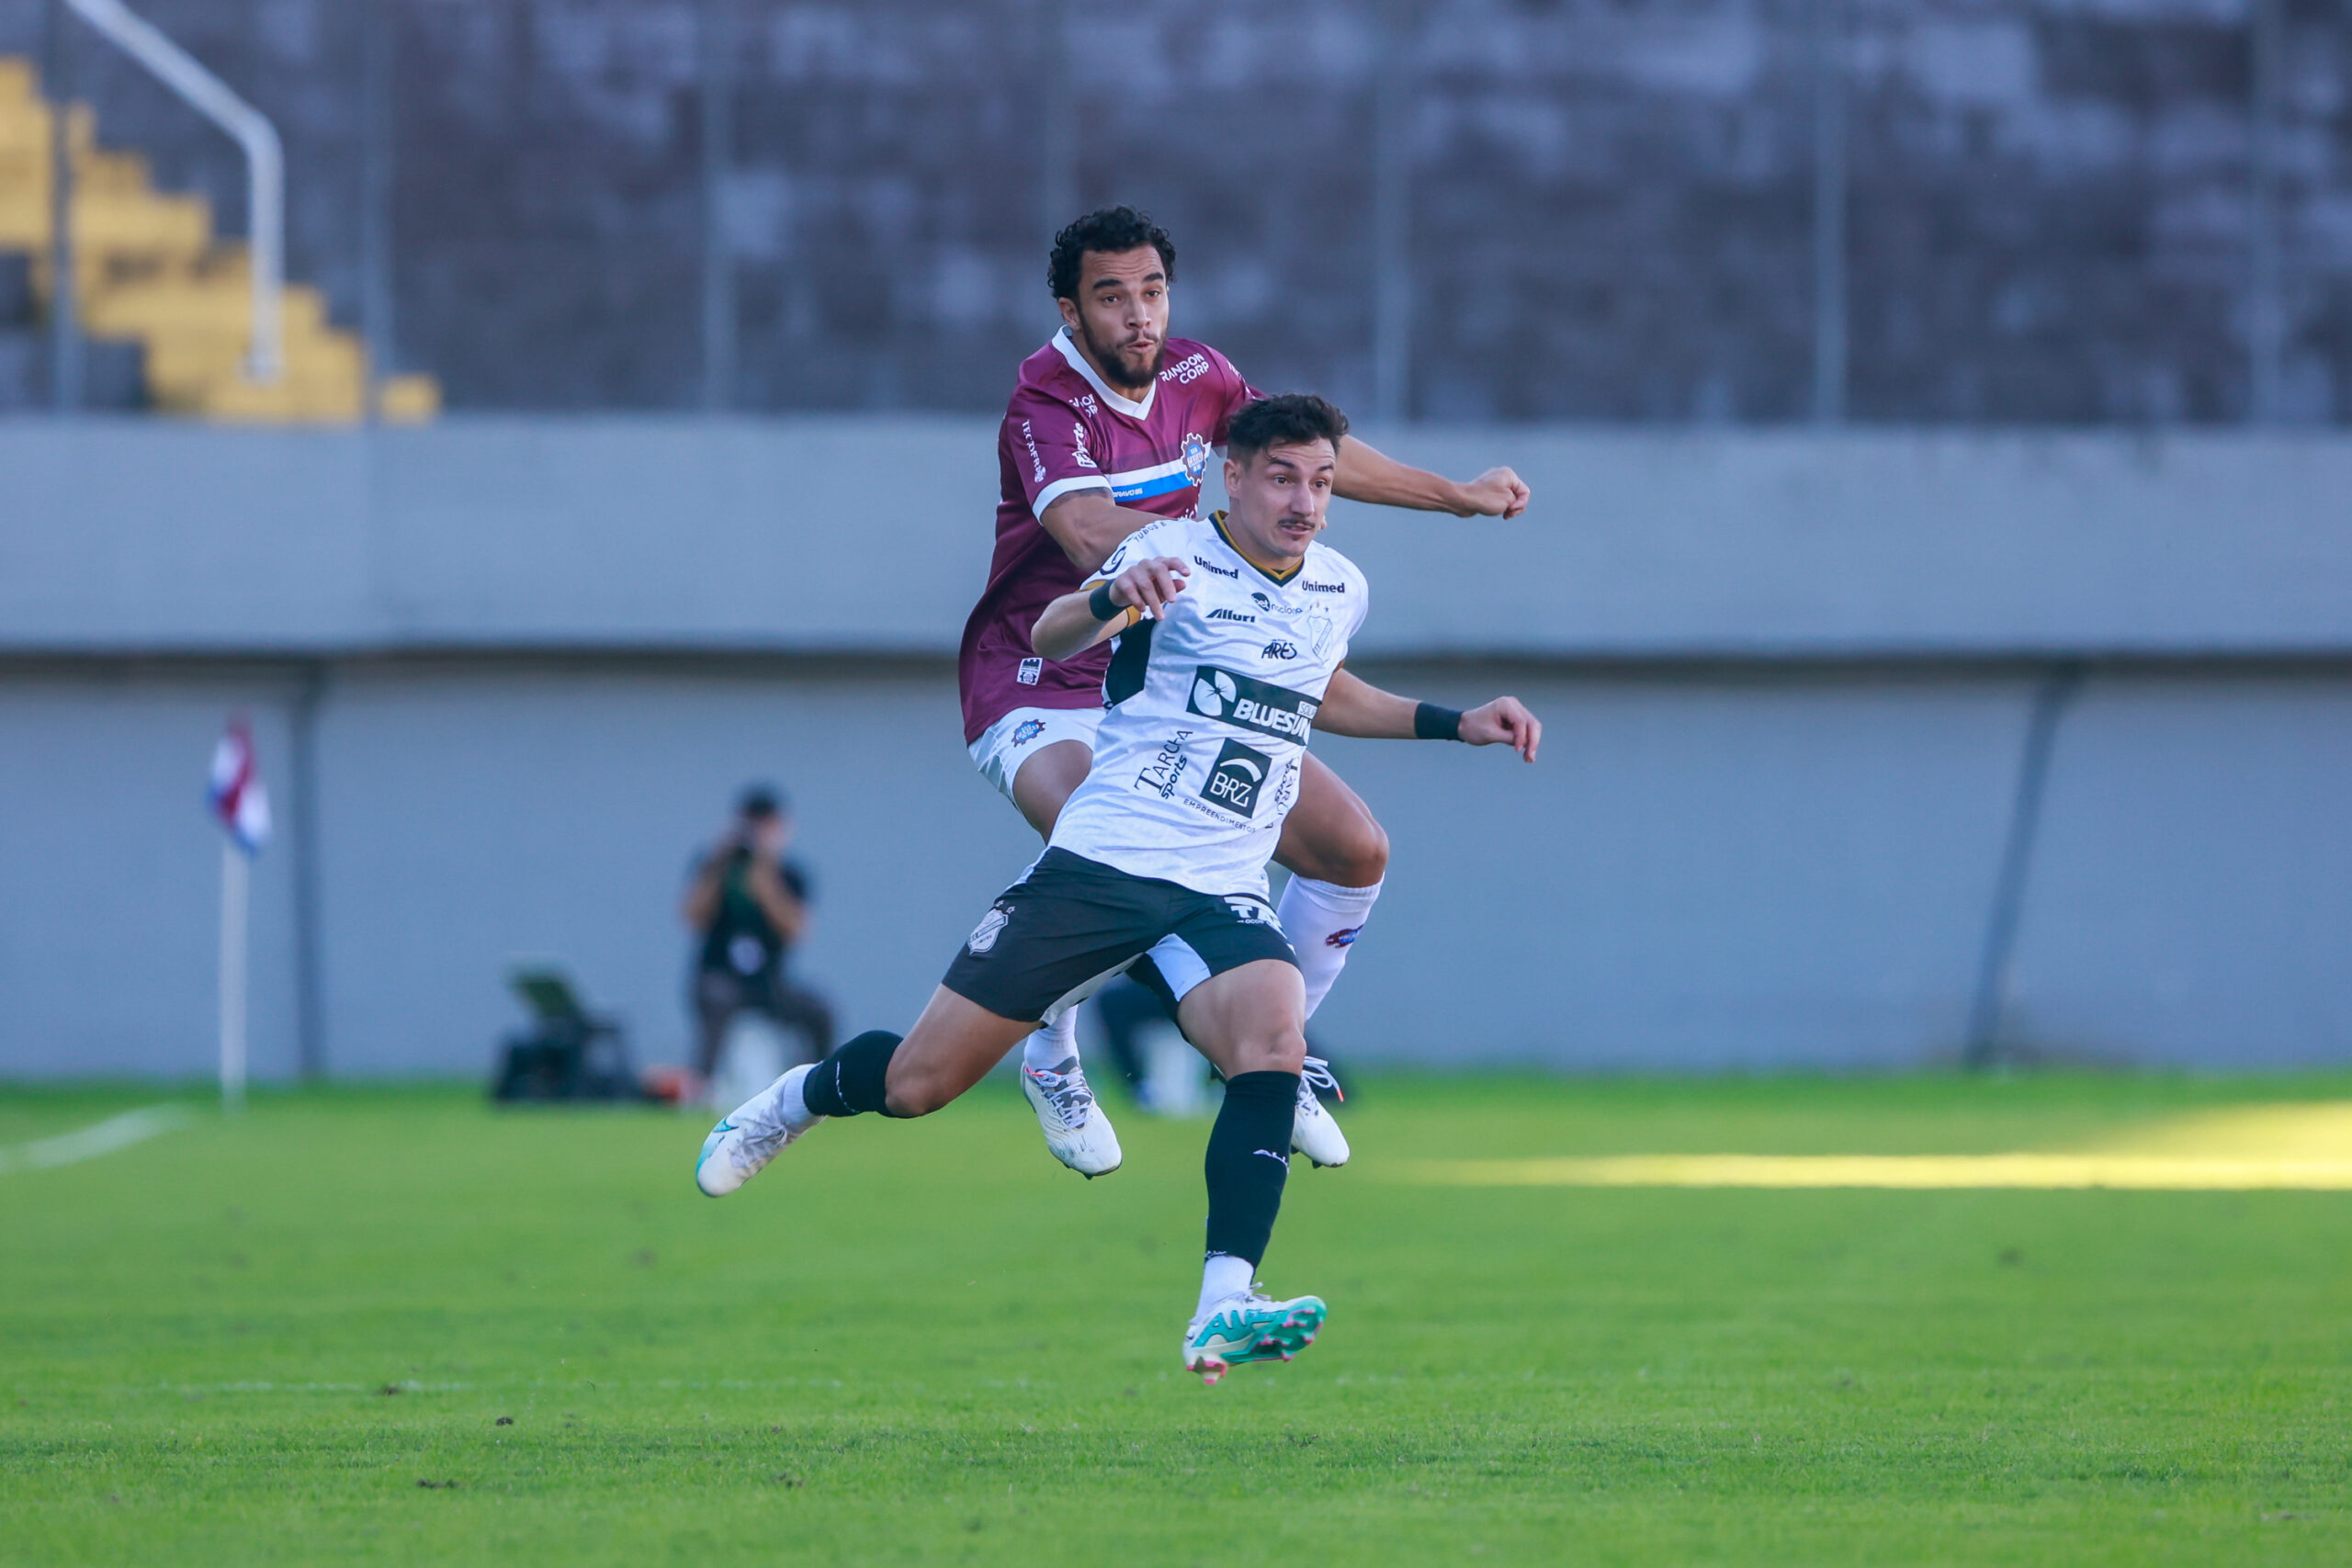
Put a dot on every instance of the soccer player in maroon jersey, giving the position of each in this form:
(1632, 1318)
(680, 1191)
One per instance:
(1111, 426)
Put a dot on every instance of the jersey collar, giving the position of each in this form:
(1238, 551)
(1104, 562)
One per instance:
(1080, 363)
(1216, 521)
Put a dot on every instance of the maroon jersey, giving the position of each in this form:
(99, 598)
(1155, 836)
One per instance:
(1066, 430)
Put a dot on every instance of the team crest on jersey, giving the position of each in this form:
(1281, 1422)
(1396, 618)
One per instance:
(1196, 457)
(1318, 629)
(992, 926)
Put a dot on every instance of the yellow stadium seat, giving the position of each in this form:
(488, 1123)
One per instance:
(149, 269)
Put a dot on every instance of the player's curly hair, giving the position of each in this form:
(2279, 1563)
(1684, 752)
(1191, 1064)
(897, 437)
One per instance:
(1293, 418)
(1111, 229)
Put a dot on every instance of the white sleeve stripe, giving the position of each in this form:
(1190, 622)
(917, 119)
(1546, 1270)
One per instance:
(1138, 476)
(1061, 488)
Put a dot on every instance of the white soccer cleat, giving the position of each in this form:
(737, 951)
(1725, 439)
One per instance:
(1076, 1129)
(1315, 1132)
(1250, 1327)
(748, 1136)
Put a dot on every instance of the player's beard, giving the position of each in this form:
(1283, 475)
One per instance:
(1117, 364)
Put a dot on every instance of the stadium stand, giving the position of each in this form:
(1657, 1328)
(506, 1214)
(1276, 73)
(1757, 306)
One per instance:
(1611, 206)
(165, 301)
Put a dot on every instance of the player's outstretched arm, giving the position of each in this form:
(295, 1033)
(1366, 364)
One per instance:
(1360, 709)
(1378, 479)
(1076, 622)
(1087, 524)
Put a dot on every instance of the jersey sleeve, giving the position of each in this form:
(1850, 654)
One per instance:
(1051, 447)
(1235, 393)
(1141, 545)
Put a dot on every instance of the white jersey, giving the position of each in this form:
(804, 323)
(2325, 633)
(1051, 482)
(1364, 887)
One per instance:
(1207, 712)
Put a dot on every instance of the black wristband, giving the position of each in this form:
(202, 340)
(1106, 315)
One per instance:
(1099, 605)
(1431, 722)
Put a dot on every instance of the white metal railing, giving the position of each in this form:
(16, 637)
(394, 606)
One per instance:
(265, 164)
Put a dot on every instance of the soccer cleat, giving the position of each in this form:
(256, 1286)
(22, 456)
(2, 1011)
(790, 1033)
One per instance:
(747, 1137)
(1250, 1327)
(1076, 1129)
(1315, 1132)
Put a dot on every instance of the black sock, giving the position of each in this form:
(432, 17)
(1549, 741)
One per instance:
(1249, 1160)
(850, 1081)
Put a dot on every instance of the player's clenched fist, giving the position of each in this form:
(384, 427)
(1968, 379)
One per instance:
(1149, 586)
(1506, 721)
(1497, 493)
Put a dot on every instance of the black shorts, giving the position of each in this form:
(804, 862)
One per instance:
(1057, 935)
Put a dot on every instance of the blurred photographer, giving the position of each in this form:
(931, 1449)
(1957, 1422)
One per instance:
(750, 906)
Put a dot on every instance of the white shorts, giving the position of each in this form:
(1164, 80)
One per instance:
(1022, 733)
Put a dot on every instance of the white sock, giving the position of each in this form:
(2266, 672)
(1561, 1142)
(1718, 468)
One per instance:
(1322, 919)
(790, 1103)
(1222, 1276)
(1051, 1046)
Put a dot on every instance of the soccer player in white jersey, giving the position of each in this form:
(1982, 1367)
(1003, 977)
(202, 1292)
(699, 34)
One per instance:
(1112, 424)
(1216, 683)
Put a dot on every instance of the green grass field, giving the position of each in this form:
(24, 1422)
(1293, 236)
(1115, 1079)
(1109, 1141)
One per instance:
(394, 1326)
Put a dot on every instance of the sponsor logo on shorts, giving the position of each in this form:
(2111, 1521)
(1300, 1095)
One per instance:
(1249, 911)
(1222, 613)
(1234, 782)
(1314, 587)
(1028, 729)
(1216, 571)
(1167, 767)
(991, 927)
(1029, 671)
(1251, 703)
(1278, 649)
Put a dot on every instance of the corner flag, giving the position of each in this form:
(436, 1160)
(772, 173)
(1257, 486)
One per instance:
(237, 796)
(243, 806)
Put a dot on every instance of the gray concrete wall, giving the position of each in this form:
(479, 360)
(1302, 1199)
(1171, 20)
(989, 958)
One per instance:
(1788, 683)
(1706, 870)
(827, 534)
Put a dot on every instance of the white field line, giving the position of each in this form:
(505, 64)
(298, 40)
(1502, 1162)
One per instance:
(101, 1138)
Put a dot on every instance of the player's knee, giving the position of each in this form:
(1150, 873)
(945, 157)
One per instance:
(1362, 855)
(1276, 1050)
